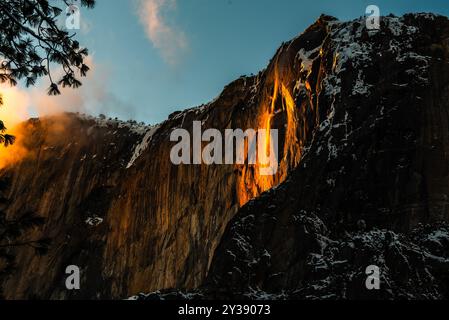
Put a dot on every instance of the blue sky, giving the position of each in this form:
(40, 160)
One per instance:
(201, 46)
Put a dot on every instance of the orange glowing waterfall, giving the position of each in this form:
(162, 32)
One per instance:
(291, 145)
(281, 100)
(271, 112)
(288, 106)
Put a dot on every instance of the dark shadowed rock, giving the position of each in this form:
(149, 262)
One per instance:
(380, 157)
(363, 179)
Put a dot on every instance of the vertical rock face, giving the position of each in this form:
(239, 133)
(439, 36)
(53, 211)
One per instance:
(375, 172)
(363, 140)
(120, 210)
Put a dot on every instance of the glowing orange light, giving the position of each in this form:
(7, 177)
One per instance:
(12, 112)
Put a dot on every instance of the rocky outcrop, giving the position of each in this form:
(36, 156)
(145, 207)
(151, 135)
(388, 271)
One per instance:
(160, 223)
(376, 169)
(362, 118)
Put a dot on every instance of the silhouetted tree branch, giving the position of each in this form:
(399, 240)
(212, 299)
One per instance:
(31, 41)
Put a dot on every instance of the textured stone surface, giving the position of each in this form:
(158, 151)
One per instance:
(380, 161)
(363, 120)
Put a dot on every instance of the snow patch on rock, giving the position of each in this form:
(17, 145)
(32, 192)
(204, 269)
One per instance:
(143, 145)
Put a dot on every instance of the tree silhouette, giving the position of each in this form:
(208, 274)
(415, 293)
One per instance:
(5, 138)
(31, 42)
(14, 234)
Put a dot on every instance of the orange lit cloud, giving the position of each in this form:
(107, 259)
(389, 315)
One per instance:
(93, 97)
(20, 104)
(14, 110)
(165, 37)
(16, 105)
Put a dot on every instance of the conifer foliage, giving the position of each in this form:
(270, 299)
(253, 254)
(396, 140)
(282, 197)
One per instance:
(33, 41)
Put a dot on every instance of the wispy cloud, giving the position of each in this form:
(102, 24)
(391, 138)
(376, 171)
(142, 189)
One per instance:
(167, 38)
(20, 104)
(93, 98)
(16, 105)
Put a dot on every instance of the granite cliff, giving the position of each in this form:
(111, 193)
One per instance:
(363, 179)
